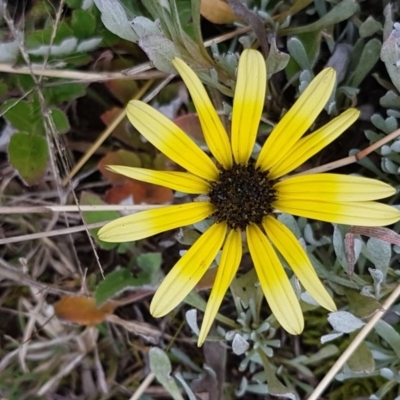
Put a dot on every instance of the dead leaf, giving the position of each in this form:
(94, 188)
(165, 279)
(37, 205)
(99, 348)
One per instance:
(350, 253)
(139, 328)
(251, 18)
(123, 89)
(207, 281)
(109, 116)
(190, 124)
(210, 386)
(82, 310)
(119, 157)
(385, 234)
(140, 192)
(218, 12)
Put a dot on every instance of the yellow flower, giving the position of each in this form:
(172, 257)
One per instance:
(242, 195)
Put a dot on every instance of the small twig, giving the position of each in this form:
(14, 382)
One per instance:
(55, 24)
(143, 386)
(104, 136)
(115, 123)
(354, 344)
(41, 235)
(355, 157)
(71, 208)
(137, 73)
(143, 71)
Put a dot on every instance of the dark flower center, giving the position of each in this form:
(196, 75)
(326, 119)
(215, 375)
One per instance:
(242, 195)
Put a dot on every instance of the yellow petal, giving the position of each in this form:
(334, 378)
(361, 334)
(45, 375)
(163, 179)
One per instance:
(248, 104)
(367, 213)
(289, 247)
(274, 282)
(148, 223)
(306, 147)
(170, 140)
(188, 271)
(332, 188)
(228, 265)
(213, 130)
(297, 120)
(181, 181)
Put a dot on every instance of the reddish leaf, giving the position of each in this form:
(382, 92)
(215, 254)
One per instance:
(384, 234)
(120, 157)
(351, 257)
(109, 116)
(123, 89)
(120, 131)
(190, 124)
(82, 310)
(140, 192)
(207, 281)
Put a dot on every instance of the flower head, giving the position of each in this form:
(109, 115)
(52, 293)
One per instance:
(242, 195)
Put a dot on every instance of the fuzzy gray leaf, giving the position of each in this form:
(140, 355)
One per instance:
(115, 19)
(160, 51)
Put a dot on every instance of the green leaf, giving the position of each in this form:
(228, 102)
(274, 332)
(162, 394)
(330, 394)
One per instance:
(43, 37)
(160, 51)
(83, 23)
(114, 284)
(73, 3)
(60, 120)
(24, 116)
(368, 59)
(28, 155)
(338, 245)
(298, 52)
(246, 288)
(275, 386)
(390, 100)
(390, 54)
(150, 262)
(297, 6)
(64, 92)
(369, 27)
(3, 89)
(388, 333)
(185, 16)
(380, 253)
(92, 217)
(361, 360)
(344, 322)
(161, 367)
(379, 122)
(9, 52)
(360, 305)
(276, 60)
(325, 352)
(343, 10)
(116, 20)
(198, 38)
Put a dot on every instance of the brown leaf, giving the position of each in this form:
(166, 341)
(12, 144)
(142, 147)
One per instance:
(218, 12)
(82, 310)
(123, 89)
(385, 234)
(210, 386)
(140, 192)
(350, 254)
(190, 124)
(257, 24)
(207, 281)
(109, 116)
(119, 157)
